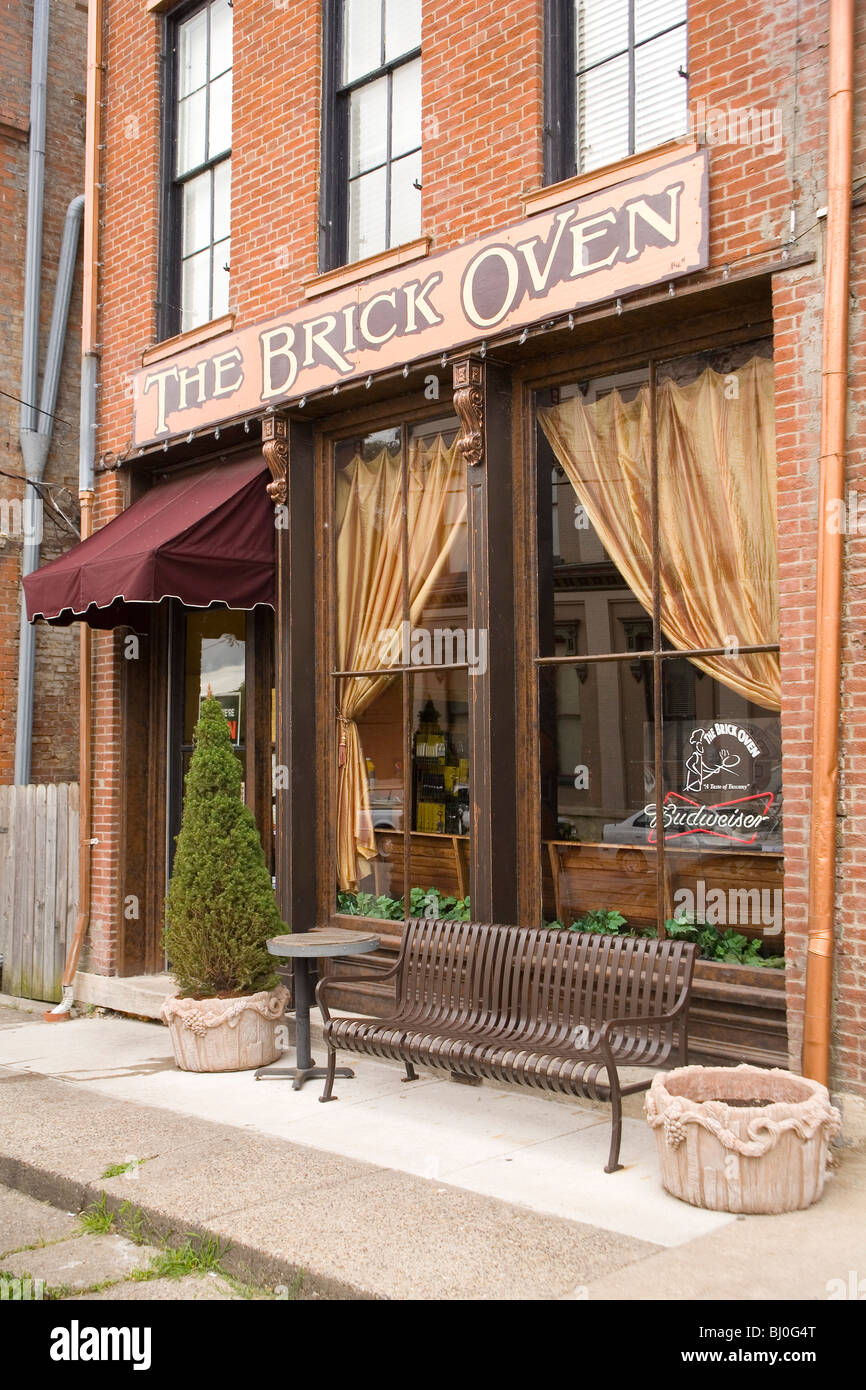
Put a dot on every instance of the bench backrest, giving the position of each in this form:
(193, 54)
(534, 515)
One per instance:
(474, 973)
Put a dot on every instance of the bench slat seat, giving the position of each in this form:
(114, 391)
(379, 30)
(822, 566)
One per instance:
(555, 1010)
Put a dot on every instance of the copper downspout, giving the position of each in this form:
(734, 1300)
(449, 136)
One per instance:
(89, 322)
(825, 728)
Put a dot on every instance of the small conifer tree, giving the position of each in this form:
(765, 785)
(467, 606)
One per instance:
(221, 907)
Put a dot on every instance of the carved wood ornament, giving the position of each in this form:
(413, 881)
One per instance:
(469, 407)
(275, 447)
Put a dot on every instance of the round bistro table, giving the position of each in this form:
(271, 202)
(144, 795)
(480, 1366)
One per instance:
(304, 947)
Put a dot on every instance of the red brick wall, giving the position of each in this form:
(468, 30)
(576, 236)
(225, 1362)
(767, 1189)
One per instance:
(482, 120)
(55, 728)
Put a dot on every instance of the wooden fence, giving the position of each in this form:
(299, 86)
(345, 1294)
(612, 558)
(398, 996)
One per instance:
(38, 886)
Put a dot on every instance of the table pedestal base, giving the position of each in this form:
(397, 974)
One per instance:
(299, 1074)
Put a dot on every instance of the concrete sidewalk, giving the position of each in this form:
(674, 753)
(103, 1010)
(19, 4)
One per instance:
(429, 1190)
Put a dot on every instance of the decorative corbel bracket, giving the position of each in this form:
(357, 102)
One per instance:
(469, 406)
(275, 447)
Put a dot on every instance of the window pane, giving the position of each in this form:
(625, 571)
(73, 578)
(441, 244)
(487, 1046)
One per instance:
(652, 16)
(601, 29)
(379, 816)
(196, 214)
(406, 109)
(596, 731)
(220, 133)
(362, 37)
(602, 115)
(220, 37)
(437, 508)
(661, 95)
(191, 132)
(222, 208)
(440, 783)
(402, 27)
(368, 127)
(405, 199)
(221, 267)
(215, 651)
(594, 538)
(196, 290)
(722, 808)
(369, 510)
(367, 215)
(717, 508)
(192, 55)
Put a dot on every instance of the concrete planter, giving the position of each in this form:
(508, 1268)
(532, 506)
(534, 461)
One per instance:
(225, 1034)
(742, 1139)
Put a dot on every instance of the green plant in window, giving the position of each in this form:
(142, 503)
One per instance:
(729, 947)
(603, 920)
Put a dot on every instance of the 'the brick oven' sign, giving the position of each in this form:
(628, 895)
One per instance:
(647, 229)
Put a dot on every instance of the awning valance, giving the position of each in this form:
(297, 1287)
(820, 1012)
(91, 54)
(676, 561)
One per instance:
(205, 537)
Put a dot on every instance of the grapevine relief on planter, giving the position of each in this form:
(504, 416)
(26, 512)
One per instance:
(198, 1015)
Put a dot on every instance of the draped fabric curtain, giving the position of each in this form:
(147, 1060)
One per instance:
(370, 600)
(717, 509)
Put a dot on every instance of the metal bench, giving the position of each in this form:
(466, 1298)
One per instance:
(558, 1010)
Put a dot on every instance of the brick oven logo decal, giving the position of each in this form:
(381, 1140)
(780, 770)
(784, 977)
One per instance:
(724, 782)
(643, 231)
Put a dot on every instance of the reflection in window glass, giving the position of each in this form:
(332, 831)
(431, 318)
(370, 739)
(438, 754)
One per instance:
(215, 654)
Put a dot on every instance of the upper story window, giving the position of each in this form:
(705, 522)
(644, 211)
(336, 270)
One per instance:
(198, 249)
(371, 135)
(616, 80)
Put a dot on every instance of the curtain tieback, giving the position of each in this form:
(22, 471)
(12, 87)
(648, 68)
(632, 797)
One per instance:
(344, 739)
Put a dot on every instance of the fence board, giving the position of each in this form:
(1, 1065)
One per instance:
(38, 886)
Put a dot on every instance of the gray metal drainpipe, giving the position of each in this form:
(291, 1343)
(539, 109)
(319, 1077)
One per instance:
(37, 425)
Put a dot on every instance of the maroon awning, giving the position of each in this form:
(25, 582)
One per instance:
(206, 537)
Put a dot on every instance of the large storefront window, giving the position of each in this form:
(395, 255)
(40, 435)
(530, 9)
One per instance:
(659, 688)
(403, 662)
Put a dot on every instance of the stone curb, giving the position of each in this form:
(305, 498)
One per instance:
(244, 1262)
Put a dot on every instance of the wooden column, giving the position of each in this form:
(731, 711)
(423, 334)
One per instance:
(482, 400)
(288, 447)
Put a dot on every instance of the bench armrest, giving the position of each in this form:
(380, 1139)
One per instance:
(324, 985)
(677, 1009)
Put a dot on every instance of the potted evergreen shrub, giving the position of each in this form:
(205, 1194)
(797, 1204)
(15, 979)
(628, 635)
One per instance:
(220, 913)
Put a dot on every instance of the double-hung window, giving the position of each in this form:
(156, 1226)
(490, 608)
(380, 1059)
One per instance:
(371, 139)
(198, 248)
(616, 80)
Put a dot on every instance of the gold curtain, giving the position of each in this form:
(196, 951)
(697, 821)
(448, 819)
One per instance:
(717, 509)
(370, 600)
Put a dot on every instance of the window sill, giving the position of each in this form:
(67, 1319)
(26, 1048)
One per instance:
(372, 265)
(193, 336)
(609, 174)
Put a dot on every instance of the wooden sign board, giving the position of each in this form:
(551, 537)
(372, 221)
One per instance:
(643, 231)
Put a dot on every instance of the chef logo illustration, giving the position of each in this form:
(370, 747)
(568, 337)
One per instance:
(701, 768)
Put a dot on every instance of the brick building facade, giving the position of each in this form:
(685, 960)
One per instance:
(55, 724)
(757, 106)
